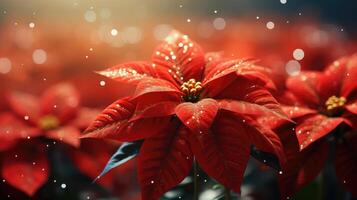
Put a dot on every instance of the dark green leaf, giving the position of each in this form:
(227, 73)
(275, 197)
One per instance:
(126, 151)
(267, 158)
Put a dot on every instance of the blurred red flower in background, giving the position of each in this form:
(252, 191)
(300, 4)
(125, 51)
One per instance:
(326, 105)
(57, 115)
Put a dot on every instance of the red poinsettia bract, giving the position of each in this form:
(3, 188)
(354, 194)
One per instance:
(186, 107)
(327, 104)
(55, 115)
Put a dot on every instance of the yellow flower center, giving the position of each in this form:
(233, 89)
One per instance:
(192, 90)
(335, 102)
(48, 122)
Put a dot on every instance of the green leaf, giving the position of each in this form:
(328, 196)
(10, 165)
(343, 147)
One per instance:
(126, 152)
(267, 158)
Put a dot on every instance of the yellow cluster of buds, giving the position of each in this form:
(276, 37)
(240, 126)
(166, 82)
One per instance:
(334, 102)
(48, 122)
(191, 89)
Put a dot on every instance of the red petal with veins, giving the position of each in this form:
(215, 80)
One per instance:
(304, 86)
(340, 78)
(183, 58)
(12, 130)
(197, 116)
(242, 89)
(114, 123)
(112, 119)
(295, 111)
(212, 59)
(312, 128)
(62, 101)
(301, 167)
(25, 105)
(265, 139)
(330, 82)
(151, 88)
(134, 72)
(263, 97)
(164, 161)
(66, 134)
(243, 108)
(159, 109)
(26, 168)
(223, 151)
(346, 163)
(241, 68)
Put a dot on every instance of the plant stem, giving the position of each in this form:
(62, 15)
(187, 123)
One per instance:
(195, 180)
(227, 194)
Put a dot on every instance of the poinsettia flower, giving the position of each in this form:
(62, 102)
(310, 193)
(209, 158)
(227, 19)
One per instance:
(51, 114)
(326, 100)
(55, 115)
(186, 107)
(327, 105)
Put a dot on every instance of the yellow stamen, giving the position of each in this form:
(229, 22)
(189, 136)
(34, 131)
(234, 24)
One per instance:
(335, 102)
(191, 89)
(48, 122)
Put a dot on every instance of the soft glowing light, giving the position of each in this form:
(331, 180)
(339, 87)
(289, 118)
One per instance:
(298, 54)
(161, 31)
(219, 23)
(283, 1)
(293, 68)
(188, 20)
(114, 32)
(39, 56)
(132, 35)
(102, 83)
(63, 186)
(5, 65)
(90, 16)
(270, 25)
(32, 25)
(209, 194)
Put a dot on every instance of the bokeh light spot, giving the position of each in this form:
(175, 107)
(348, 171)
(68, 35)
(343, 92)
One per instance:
(293, 68)
(298, 54)
(219, 23)
(5, 65)
(39, 56)
(90, 16)
(270, 25)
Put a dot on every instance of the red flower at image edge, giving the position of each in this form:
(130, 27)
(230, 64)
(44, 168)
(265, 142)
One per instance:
(327, 103)
(190, 106)
(55, 115)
